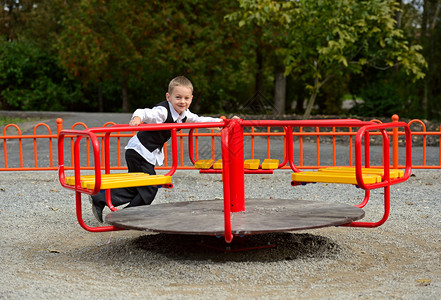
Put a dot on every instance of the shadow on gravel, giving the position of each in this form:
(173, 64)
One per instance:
(285, 246)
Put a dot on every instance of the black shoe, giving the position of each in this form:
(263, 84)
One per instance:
(97, 209)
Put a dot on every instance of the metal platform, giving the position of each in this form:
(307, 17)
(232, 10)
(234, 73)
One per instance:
(206, 217)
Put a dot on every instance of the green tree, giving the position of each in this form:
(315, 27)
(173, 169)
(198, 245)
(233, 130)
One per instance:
(196, 41)
(136, 41)
(102, 40)
(30, 79)
(268, 41)
(13, 17)
(430, 38)
(330, 38)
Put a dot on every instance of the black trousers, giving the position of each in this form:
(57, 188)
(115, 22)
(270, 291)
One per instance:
(135, 196)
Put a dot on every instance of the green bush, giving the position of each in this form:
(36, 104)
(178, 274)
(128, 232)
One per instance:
(379, 100)
(30, 79)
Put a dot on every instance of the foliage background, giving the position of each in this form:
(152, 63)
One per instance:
(95, 55)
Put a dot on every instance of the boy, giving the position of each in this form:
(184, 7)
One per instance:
(145, 149)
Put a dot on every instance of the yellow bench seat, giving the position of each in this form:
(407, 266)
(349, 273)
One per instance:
(344, 175)
(270, 164)
(250, 164)
(120, 180)
(204, 164)
(333, 177)
(394, 173)
(218, 164)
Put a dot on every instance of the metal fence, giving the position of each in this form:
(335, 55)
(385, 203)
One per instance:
(313, 147)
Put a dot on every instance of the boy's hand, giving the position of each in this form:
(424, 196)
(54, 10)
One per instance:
(135, 121)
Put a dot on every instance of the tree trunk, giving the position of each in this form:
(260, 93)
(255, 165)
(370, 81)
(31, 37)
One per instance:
(311, 100)
(310, 104)
(317, 86)
(125, 95)
(279, 91)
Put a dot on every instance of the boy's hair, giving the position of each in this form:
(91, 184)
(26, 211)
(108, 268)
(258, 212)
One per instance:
(179, 81)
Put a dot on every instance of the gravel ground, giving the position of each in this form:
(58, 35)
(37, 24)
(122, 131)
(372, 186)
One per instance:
(46, 254)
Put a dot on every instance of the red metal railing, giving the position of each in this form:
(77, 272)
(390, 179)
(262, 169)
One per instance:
(103, 152)
(232, 145)
(18, 147)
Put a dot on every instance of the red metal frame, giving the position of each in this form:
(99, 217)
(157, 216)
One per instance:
(77, 171)
(92, 138)
(232, 179)
(387, 181)
(232, 145)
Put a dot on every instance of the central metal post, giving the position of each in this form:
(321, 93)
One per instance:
(234, 166)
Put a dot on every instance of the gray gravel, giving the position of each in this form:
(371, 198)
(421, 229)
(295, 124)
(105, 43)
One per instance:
(46, 254)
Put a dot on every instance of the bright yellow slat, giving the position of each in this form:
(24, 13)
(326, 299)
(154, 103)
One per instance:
(218, 164)
(251, 164)
(333, 177)
(112, 181)
(132, 182)
(71, 179)
(394, 173)
(270, 164)
(204, 164)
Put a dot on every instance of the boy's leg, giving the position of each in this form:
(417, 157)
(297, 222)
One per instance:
(119, 197)
(137, 196)
(144, 194)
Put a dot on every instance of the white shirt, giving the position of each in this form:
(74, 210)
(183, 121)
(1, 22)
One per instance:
(158, 114)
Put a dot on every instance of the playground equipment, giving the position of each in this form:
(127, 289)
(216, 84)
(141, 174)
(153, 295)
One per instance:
(234, 215)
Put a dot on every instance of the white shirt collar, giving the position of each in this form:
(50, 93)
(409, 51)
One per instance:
(175, 114)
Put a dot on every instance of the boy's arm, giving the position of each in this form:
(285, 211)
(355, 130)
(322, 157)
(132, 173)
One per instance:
(157, 114)
(135, 121)
(191, 117)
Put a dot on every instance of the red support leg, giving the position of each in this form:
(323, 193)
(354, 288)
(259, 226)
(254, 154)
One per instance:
(236, 157)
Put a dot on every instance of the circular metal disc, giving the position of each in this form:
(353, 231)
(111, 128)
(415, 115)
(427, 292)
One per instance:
(206, 217)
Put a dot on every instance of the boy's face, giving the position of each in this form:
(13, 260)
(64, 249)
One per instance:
(180, 98)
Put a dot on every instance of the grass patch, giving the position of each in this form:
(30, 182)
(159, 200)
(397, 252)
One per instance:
(9, 120)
